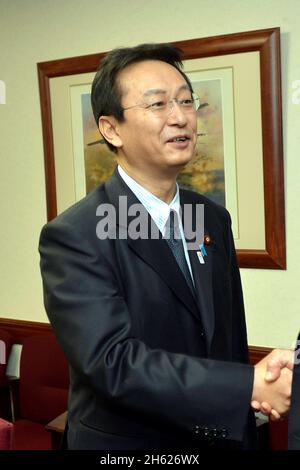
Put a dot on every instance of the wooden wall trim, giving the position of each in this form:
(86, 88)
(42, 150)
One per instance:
(20, 329)
(257, 353)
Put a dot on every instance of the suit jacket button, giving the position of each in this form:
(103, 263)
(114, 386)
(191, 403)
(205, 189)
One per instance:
(206, 431)
(224, 433)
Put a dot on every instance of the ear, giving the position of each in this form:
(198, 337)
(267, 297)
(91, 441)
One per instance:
(109, 129)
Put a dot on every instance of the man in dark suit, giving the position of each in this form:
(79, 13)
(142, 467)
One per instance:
(294, 414)
(153, 328)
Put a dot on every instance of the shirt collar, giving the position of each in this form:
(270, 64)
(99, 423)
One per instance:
(158, 209)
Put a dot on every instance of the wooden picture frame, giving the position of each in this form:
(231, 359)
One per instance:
(267, 44)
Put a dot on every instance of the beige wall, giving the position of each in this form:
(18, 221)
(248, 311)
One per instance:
(32, 31)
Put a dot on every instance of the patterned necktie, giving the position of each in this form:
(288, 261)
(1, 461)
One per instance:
(173, 238)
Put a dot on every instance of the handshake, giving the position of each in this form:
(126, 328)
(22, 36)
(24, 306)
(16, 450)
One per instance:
(272, 384)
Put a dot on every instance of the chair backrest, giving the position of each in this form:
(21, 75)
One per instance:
(5, 347)
(6, 434)
(44, 379)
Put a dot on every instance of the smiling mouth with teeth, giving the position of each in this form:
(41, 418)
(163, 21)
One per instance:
(179, 139)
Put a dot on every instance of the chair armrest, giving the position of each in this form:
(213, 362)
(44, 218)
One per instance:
(57, 424)
(57, 427)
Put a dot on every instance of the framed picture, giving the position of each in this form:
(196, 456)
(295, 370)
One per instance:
(239, 156)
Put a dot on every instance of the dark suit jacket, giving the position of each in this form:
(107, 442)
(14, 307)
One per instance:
(152, 366)
(294, 413)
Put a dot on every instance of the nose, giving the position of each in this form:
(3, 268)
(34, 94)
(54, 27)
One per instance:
(176, 114)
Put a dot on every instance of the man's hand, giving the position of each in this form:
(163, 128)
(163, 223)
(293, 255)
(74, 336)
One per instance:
(278, 362)
(278, 359)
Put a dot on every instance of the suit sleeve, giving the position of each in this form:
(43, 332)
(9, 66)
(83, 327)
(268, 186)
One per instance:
(92, 323)
(294, 413)
(240, 351)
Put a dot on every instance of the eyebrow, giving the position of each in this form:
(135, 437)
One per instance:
(157, 91)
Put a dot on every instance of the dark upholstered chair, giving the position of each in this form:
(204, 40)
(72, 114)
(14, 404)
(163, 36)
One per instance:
(6, 434)
(5, 347)
(6, 341)
(43, 391)
(278, 435)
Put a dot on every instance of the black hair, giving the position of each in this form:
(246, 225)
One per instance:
(106, 92)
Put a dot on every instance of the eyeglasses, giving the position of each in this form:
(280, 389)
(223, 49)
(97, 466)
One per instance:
(165, 107)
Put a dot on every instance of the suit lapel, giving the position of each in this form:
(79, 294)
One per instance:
(155, 252)
(203, 285)
(202, 274)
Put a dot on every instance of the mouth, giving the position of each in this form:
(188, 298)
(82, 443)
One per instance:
(179, 138)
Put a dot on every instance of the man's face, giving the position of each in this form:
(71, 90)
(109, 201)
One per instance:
(154, 142)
